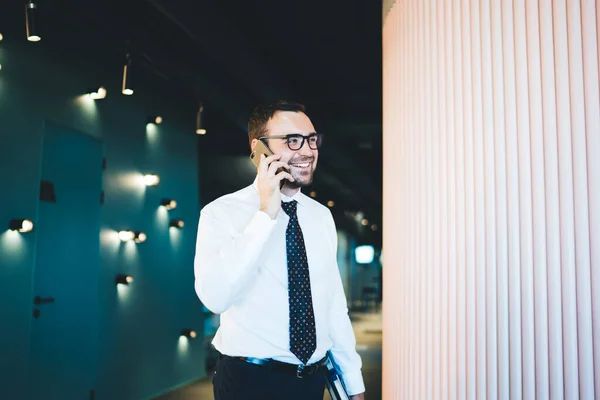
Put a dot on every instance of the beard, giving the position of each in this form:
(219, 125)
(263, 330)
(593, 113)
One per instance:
(302, 178)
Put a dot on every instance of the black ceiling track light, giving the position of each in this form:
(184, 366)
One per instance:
(30, 22)
(127, 89)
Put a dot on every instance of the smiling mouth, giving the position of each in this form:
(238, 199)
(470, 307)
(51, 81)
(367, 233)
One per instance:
(301, 165)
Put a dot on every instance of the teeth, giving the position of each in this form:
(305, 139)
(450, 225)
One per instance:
(301, 165)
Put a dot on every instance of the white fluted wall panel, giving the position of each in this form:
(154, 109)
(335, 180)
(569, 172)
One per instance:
(491, 199)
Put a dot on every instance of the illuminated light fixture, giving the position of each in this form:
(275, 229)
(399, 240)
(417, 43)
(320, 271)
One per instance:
(200, 129)
(139, 237)
(155, 120)
(189, 333)
(313, 194)
(1, 37)
(364, 254)
(21, 225)
(126, 236)
(365, 222)
(330, 203)
(123, 279)
(374, 227)
(151, 180)
(30, 9)
(127, 89)
(176, 223)
(168, 204)
(97, 94)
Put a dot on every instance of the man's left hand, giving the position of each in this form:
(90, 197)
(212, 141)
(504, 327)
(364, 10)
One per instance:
(360, 396)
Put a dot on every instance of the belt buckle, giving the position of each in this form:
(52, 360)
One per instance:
(299, 371)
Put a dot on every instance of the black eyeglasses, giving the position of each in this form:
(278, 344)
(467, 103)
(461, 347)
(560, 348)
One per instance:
(295, 141)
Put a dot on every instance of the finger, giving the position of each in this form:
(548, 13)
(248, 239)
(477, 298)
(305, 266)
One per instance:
(266, 161)
(284, 175)
(276, 165)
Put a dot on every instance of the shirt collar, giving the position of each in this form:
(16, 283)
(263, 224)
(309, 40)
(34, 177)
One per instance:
(299, 196)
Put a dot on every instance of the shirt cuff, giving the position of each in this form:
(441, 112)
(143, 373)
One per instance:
(260, 226)
(354, 383)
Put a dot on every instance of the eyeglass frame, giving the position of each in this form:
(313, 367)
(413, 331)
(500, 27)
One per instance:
(296, 135)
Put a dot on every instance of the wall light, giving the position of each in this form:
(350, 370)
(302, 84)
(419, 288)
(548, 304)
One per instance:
(151, 180)
(32, 34)
(200, 129)
(97, 94)
(155, 120)
(168, 204)
(189, 333)
(126, 236)
(21, 225)
(127, 89)
(365, 222)
(123, 279)
(313, 194)
(139, 237)
(364, 254)
(176, 223)
(330, 203)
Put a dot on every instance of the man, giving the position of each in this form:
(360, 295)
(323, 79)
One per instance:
(266, 261)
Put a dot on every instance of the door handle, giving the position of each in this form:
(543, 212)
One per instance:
(41, 300)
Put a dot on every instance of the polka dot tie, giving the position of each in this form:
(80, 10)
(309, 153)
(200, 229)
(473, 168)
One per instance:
(303, 337)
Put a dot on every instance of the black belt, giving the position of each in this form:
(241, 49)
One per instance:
(300, 371)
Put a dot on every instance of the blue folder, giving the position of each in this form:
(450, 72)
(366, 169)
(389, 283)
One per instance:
(335, 385)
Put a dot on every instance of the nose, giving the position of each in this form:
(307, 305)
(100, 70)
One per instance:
(305, 150)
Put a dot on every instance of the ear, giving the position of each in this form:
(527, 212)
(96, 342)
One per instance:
(253, 144)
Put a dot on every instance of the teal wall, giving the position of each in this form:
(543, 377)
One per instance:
(139, 352)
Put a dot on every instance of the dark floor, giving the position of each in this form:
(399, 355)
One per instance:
(367, 328)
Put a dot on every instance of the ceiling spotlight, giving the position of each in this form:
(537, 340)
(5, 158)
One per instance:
(139, 237)
(127, 89)
(176, 223)
(151, 180)
(365, 222)
(313, 194)
(1, 37)
(168, 203)
(21, 225)
(189, 333)
(155, 120)
(30, 9)
(97, 94)
(126, 236)
(374, 227)
(330, 203)
(200, 129)
(123, 279)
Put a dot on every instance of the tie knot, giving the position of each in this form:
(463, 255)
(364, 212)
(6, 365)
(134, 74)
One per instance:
(289, 208)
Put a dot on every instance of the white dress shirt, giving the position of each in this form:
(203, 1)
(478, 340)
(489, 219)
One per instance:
(241, 273)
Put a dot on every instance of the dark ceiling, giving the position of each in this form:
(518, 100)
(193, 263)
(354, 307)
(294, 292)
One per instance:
(234, 54)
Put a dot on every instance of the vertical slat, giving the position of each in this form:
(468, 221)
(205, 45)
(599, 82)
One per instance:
(490, 203)
(459, 182)
(590, 24)
(538, 202)
(567, 228)
(501, 202)
(512, 186)
(444, 229)
(412, 204)
(553, 256)
(470, 338)
(403, 63)
(430, 248)
(479, 216)
(450, 158)
(580, 198)
(437, 215)
(525, 199)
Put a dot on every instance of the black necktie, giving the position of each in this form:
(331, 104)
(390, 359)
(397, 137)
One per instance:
(303, 336)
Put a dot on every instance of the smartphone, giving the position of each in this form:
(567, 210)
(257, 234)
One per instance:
(262, 148)
(259, 149)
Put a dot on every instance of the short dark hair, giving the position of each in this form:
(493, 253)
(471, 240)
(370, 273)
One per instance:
(257, 124)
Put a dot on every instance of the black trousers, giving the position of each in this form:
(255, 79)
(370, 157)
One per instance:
(239, 380)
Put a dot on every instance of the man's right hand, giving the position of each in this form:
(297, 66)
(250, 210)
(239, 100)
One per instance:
(269, 183)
